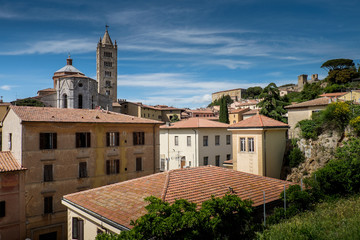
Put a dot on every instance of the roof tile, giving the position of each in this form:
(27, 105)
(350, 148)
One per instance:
(195, 122)
(8, 163)
(258, 121)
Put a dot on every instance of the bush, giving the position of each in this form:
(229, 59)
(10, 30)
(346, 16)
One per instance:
(336, 115)
(296, 157)
(310, 129)
(355, 124)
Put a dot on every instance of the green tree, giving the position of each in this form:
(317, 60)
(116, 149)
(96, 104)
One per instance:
(218, 218)
(342, 76)
(338, 64)
(217, 102)
(310, 91)
(253, 92)
(28, 102)
(224, 112)
(174, 118)
(272, 105)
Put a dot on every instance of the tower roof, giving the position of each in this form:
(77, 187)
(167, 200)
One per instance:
(106, 39)
(68, 68)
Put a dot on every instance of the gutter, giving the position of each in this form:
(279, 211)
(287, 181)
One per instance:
(154, 145)
(195, 155)
(98, 216)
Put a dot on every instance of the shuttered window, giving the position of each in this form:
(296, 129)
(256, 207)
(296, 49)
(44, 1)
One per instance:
(48, 141)
(139, 138)
(48, 173)
(83, 140)
(112, 139)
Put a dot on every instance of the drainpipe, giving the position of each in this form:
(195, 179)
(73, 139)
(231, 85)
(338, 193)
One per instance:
(196, 164)
(167, 160)
(154, 145)
(264, 165)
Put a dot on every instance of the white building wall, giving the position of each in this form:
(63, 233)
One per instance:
(195, 153)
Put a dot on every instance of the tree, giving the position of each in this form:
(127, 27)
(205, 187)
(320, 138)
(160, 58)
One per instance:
(224, 113)
(271, 105)
(338, 64)
(253, 92)
(310, 91)
(341, 76)
(28, 102)
(174, 118)
(218, 101)
(218, 218)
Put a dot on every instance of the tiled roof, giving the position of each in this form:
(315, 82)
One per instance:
(124, 201)
(315, 102)
(5, 104)
(8, 163)
(240, 110)
(252, 112)
(156, 107)
(337, 94)
(196, 122)
(50, 114)
(48, 90)
(259, 121)
(207, 111)
(250, 102)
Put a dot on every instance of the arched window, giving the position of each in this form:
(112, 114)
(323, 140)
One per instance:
(65, 102)
(80, 101)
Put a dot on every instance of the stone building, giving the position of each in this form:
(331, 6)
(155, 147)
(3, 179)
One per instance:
(70, 150)
(235, 94)
(72, 89)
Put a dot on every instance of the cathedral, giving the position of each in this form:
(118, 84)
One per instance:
(72, 89)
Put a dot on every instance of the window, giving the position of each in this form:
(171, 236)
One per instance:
(107, 84)
(82, 170)
(48, 173)
(80, 101)
(251, 144)
(107, 54)
(107, 92)
(138, 164)
(77, 229)
(83, 140)
(217, 160)
(107, 74)
(188, 140)
(228, 156)
(176, 141)
(112, 166)
(10, 141)
(228, 139)
(65, 102)
(2, 209)
(112, 139)
(205, 141)
(139, 138)
(242, 145)
(108, 64)
(206, 161)
(48, 141)
(217, 140)
(48, 205)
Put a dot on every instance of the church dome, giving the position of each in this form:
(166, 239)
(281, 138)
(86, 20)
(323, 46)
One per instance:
(68, 68)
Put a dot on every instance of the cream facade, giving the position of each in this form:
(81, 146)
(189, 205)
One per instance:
(353, 95)
(69, 167)
(235, 94)
(193, 147)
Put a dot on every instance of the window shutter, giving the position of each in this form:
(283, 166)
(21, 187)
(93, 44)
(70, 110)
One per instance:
(135, 138)
(88, 139)
(54, 140)
(77, 140)
(108, 167)
(81, 229)
(75, 229)
(142, 138)
(107, 139)
(117, 166)
(41, 142)
(117, 139)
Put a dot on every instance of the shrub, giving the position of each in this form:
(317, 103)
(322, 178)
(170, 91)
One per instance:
(310, 129)
(296, 157)
(355, 124)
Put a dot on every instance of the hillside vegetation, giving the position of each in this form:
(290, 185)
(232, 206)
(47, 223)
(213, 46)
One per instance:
(338, 219)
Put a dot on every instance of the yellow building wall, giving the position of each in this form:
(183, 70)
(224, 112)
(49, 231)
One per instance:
(351, 96)
(235, 117)
(65, 160)
(234, 94)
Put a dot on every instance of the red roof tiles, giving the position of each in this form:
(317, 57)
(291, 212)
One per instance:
(196, 122)
(8, 163)
(337, 94)
(49, 114)
(240, 110)
(315, 102)
(124, 201)
(259, 121)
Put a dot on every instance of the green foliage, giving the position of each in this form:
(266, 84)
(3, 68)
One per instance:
(217, 102)
(331, 88)
(28, 102)
(341, 76)
(296, 157)
(272, 105)
(252, 92)
(310, 91)
(331, 220)
(336, 64)
(219, 218)
(293, 97)
(224, 113)
(175, 118)
(310, 129)
(355, 124)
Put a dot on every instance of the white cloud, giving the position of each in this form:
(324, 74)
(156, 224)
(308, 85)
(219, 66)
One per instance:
(231, 64)
(55, 46)
(5, 87)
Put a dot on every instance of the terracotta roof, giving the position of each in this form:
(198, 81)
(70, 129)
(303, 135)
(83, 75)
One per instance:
(124, 201)
(324, 101)
(259, 121)
(240, 110)
(230, 90)
(207, 111)
(252, 112)
(48, 90)
(156, 107)
(5, 104)
(8, 163)
(50, 114)
(250, 102)
(230, 162)
(337, 94)
(195, 122)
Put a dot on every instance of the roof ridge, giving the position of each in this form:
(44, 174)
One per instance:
(167, 180)
(261, 122)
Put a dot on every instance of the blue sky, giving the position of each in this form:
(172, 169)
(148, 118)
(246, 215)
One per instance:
(175, 52)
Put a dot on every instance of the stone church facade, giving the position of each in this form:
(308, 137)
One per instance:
(72, 89)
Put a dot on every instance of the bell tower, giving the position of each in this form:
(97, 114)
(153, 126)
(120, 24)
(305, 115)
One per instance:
(106, 66)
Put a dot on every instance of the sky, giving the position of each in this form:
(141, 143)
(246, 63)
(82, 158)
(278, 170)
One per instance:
(174, 52)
